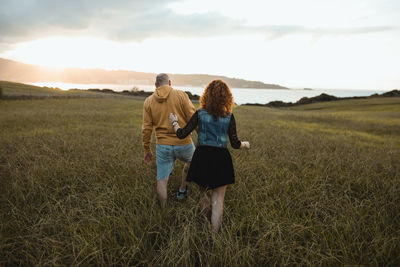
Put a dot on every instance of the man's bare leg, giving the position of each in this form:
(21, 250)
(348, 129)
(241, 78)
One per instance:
(217, 206)
(184, 175)
(162, 191)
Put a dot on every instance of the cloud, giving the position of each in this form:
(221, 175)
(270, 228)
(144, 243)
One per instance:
(127, 20)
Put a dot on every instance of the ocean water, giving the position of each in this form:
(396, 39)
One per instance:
(240, 95)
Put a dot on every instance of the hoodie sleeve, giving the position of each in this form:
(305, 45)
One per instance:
(188, 107)
(147, 127)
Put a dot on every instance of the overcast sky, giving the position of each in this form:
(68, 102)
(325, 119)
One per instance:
(295, 43)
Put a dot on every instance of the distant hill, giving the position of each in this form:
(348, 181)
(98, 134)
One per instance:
(12, 90)
(323, 98)
(20, 72)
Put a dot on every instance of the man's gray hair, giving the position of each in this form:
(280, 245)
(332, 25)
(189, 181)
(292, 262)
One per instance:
(162, 79)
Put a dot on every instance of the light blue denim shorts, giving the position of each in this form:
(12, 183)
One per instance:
(166, 156)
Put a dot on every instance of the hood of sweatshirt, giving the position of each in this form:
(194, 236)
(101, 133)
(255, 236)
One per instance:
(161, 94)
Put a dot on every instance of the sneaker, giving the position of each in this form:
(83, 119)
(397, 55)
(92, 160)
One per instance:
(181, 195)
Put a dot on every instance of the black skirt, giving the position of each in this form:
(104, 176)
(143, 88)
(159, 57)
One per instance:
(211, 167)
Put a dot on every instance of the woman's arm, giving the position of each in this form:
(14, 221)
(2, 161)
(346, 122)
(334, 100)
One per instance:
(233, 138)
(189, 127)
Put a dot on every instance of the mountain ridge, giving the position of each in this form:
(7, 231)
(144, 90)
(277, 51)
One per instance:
(20, 72)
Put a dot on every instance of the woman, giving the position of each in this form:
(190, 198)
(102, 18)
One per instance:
(211, 166)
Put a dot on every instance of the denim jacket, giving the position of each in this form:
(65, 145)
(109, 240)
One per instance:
(212, 133)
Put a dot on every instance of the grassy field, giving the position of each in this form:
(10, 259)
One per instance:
(20, 90)
(320, 186)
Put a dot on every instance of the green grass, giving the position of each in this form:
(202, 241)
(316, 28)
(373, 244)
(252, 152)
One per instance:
(20, 90)
(320, 186)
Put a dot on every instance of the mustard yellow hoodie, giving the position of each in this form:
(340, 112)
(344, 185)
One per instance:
(156, 110)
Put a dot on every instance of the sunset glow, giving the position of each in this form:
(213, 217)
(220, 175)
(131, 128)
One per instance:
(335, 44)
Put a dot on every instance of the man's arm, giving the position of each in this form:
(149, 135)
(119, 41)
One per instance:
(147, 129)
(188, 107)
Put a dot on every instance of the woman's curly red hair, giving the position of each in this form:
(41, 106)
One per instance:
(217, 99)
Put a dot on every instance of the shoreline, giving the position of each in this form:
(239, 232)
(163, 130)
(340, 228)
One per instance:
(322, 98)
(21, 91)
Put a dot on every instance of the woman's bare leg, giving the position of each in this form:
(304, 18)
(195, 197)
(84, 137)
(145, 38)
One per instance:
(217, 206)
(205, 196)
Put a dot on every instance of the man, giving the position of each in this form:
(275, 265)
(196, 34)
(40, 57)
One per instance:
(156, 109)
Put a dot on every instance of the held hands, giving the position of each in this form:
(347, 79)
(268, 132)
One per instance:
(245, 144)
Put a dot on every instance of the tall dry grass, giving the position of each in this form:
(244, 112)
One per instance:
(320, 186)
